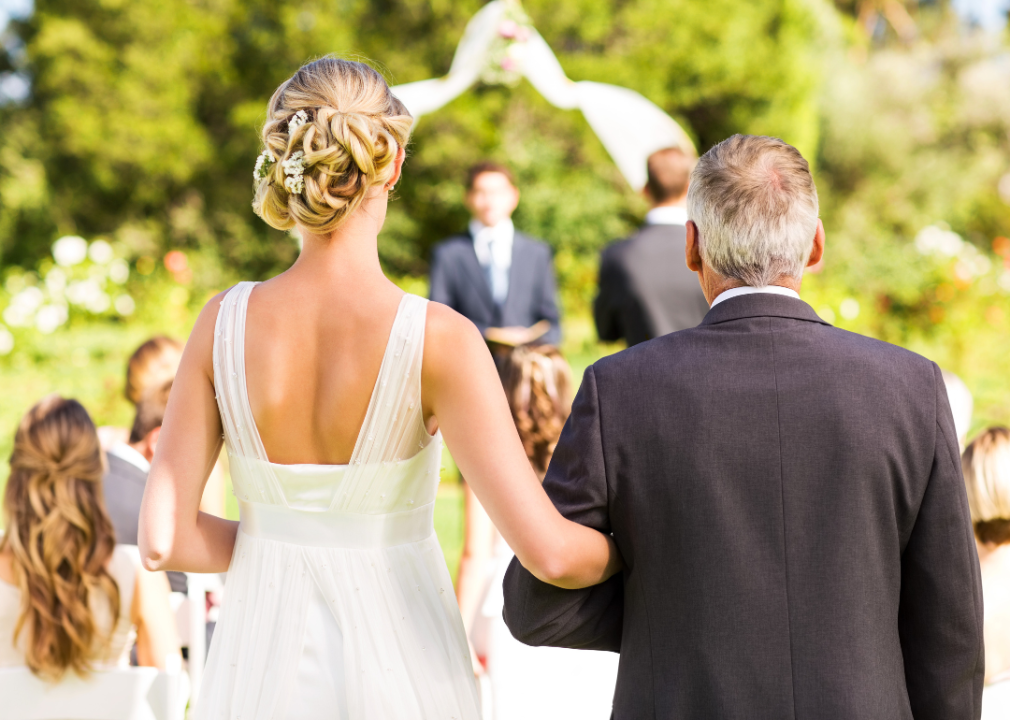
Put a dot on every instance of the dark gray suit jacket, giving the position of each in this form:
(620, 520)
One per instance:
(123, 486)
(645, 287)
(457, 280)
(789, 504)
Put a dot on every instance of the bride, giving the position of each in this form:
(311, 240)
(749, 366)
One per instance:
(332, 390)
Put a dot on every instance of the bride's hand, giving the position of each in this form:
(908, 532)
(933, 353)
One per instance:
(461, 388)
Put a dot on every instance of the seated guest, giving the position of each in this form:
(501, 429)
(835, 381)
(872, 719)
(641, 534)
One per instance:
(70, 597)
(645, 287)
(128, 466)
(527, 683)
(986, 466)
(152, 365)
(494, 275)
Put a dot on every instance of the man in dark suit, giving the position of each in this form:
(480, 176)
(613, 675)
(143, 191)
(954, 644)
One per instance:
(645, 290)
(787, 497)
(128, 466)
(498, 277)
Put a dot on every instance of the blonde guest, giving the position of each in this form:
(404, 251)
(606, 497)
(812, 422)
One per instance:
(70, 598)
(527, 683)
(150, 369)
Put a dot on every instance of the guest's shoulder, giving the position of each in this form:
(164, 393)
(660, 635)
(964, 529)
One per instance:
(452, 244)
(533, 243)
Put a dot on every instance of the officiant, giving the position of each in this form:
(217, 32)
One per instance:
(496, 276)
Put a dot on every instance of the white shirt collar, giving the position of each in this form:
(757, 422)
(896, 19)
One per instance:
(667, 215)
(493, 245)
(747, 290)
(130, 455)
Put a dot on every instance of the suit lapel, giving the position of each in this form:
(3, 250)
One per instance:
(519, 279)
(476, 275)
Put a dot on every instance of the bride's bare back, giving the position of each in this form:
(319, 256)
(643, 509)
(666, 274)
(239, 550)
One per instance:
(310, 372)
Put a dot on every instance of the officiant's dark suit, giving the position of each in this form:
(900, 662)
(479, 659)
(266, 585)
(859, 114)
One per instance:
(457, 280)
(788, 501)
(493, 274)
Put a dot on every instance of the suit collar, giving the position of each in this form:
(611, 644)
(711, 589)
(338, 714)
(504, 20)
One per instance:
(761, 305)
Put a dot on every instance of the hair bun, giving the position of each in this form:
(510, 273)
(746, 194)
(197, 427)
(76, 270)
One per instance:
(347, 125)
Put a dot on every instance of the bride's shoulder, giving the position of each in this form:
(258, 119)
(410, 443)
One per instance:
(450, 339)
(200, 346)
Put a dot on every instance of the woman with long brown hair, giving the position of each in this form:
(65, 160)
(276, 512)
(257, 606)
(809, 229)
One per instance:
(527, 682)
(70, 598)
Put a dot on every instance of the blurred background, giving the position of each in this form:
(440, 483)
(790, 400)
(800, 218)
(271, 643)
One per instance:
(129, 130)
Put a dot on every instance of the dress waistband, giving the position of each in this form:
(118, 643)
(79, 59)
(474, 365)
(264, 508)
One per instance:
(336, 528)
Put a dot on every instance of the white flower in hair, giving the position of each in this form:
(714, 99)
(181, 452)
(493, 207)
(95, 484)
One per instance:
(297, 120)
(294, 168)
(264, 165)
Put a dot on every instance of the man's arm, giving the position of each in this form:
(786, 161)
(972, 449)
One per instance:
(606, 307)
(548, 301)
(590, 618)
(940, 616)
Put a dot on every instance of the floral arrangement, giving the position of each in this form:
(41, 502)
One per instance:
(507, 53)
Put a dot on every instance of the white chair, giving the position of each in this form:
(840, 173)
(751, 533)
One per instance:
(117, 694)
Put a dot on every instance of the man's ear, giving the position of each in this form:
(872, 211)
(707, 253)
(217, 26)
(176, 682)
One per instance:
(692, 249)
(817, 253)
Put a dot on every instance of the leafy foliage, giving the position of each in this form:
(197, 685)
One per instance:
(142, 123)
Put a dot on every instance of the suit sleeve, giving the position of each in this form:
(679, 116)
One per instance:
(441, 287)
(606, 307)
(591, 618)
(940, 613)
(548, 301)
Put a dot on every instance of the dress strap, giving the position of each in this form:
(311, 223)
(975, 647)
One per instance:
(240, 432)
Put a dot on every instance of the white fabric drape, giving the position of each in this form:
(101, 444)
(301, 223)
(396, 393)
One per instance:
(629, 126)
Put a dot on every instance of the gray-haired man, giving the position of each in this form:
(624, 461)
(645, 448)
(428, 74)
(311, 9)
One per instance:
(787, 496)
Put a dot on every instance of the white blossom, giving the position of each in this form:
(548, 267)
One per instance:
(124, 305)
(119, 271)
(6, 341)
(70, 250)
(84, 292)
(294, 168)
(56, 281)
(101, 252)
(296, 121)
(849, 309)
(50, 317)
(264, 164)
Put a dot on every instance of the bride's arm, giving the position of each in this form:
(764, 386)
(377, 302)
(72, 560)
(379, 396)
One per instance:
(173, 533)
(462, 391)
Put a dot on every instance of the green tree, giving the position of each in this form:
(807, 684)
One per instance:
(142, 122)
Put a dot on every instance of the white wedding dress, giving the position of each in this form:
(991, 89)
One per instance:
(338, 603)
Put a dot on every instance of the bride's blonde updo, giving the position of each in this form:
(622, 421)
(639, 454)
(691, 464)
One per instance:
(332, 133)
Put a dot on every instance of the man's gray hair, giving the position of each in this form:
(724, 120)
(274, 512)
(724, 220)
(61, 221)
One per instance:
(755, 205)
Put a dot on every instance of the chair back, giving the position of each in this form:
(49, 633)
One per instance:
(117, 694)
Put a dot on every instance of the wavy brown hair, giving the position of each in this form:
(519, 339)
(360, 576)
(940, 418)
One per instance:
(538, 383)
(61, 538)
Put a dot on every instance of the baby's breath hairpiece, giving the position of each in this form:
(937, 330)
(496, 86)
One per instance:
(297, 120)
(294, 168)
(264, 165)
